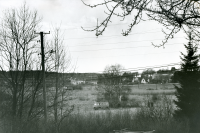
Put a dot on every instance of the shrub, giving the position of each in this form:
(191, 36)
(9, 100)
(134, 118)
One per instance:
(155, 97)
(133, 103)
(77, 87)
(158, 118)
(82, 98)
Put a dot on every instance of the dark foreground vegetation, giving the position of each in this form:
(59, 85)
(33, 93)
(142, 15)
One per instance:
(158, 118)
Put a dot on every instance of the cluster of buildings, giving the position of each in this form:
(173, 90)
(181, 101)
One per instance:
(161, 76)
(155, 78)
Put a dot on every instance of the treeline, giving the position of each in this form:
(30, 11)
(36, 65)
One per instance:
(147, 76)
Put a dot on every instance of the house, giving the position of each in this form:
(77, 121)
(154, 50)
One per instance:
(77, 81)
(143, 81)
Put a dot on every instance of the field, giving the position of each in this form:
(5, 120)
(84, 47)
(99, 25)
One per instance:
(85, 98)
(84, 119)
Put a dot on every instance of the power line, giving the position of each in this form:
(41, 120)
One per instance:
(108, 25)
(156, 66)
(142, 68)
(93, 26)
(148, 67)
(119, 48)
(130, 55)
(117, 35)
(119, 42)
(117, 76)
(111, 37)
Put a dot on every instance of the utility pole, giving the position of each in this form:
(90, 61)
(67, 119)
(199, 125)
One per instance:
(97, 29)
(43, 77)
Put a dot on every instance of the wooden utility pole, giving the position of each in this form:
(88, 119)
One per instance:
(97, 29)
(44, 78)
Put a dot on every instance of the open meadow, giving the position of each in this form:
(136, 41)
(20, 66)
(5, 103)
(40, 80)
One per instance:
(84, 99)
(85, 119)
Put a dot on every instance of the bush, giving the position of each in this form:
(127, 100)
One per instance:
(133, 103)
(77, 87)
(100, 98)
(155, 97)
(158, 118)
(21, 126)
(82, 98)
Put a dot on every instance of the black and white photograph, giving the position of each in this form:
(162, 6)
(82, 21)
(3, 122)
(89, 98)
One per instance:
(99, 66)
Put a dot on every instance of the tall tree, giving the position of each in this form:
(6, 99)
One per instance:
(60, 95)
(18, 52)
(188, 94)
(127, 77)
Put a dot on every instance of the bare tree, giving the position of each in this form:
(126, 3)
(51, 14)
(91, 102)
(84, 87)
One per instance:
(60, 93)
(18, 52)
(110, 84)
(174, 15)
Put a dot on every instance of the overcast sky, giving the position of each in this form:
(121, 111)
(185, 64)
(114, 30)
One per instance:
(92, 54)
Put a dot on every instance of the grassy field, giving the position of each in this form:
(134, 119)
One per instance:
(152, 86)
(84, 119)
(85, 98)
(158, 119)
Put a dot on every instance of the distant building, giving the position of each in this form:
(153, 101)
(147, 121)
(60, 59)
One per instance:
(143, 81)
(77, 82)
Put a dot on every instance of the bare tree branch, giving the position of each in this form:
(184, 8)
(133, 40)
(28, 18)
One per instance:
(177, 14)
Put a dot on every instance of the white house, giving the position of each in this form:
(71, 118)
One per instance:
(77, 82)
(143, 81)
